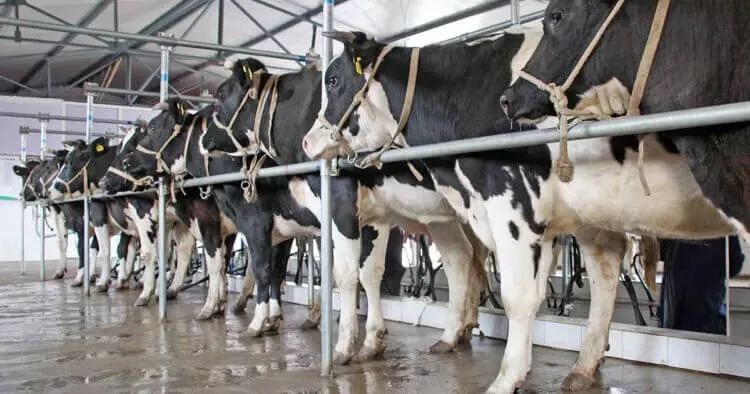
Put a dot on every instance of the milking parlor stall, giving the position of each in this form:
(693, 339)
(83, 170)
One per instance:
(349, 196)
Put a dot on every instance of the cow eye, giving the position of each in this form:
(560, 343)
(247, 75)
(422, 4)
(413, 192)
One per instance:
(555, 17)
(330, 81)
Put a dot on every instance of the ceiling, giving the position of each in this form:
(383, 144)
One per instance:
(33, 62)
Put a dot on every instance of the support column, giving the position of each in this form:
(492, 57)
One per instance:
(164, 84)
(515, 12)
(24, 131)
(87, 200)
(162, 249)
(326, 243)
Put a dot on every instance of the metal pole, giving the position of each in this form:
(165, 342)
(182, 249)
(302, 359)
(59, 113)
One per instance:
(127, 92)
(149, 39)
(566, 262)
(24, 142)
(311, 271)
(23, 237)
(162, 249)
(43, 136)
(515, 12)
(42, 241)
(86, 199)
(493, 28)
(727, 288)
(326, 243)
(60, 117)
(164, 84)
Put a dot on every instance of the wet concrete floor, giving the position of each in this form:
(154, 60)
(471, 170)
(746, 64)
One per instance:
(53, 339)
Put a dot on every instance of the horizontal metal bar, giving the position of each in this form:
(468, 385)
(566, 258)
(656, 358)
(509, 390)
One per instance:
(126, 92)
(486, 31)
(165, 41)
(284, 170)
(60, 117)
(100, 196)
(24, 130)
(666, 121)
(469, 12)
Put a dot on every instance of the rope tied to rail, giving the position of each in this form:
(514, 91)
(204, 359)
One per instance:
(563, 166)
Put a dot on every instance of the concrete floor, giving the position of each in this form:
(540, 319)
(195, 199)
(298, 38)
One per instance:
(52, 339)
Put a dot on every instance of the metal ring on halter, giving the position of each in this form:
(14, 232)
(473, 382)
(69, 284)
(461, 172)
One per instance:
(245, 184)
(351, 157)
(205, 193)
(334, 167)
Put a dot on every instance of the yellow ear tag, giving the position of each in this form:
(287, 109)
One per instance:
(181, 108)
(247, 72)
(99, 148)
(358, 65)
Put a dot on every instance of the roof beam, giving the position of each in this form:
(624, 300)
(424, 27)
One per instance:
(92, 14)
(163, 22)
(273, 31)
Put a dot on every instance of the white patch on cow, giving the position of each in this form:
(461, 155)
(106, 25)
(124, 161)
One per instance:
(52, 191)
(148, 252)
(261, 314)
(477, 213)
(395, 201)
(370, 276)
(530, 42)
(284, 229)
(185, 242)
(274, 307)
(179, 166)
(62, 242)
(127, 137)
(102, 236)
(346, 255)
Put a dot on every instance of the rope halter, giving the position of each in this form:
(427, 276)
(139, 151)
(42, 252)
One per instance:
(82, 172)
(563, 166)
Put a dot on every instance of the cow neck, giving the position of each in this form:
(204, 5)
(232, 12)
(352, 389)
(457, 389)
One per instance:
(27, 182)
(373, 159)
(82, 172)
(563, 166)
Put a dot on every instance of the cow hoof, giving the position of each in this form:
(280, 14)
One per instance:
(204, 314)
(172, 294)
(122, 284)
(271, 325)
(576, 381)
(60, 273)
(142, 301)
(341, 358)
(138, 286)
(253, 333)
(371, 353)
(310, 325)
(239, 306)
(93, 278)
(441, 347)
(465, 337)
(77, 283)
(102, 287)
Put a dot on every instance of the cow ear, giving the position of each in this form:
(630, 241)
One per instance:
(98, 146)
(246, 70)
(363, 50)
(20, 170)
(176, 109)
(61, 154)
(69, 145)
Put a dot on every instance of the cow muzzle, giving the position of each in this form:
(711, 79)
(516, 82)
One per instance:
(319, 143)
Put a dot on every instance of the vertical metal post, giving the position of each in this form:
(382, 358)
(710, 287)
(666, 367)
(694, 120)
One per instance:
(566, 262)
(326, 243)
(23, 237)
(220, 33)
(311, 271)
(49, 77)
(43, 122)
(42, 240)
(87, 200)
(24, 131)
(164, 84)
(515, 12)
(726, 289)
(162, 249)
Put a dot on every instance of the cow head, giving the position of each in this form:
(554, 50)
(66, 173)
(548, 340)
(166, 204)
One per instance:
(111, 182)
(569, 27)
(28, 174)
(371, 123)
(248, 78)
(84, 163)
(38, 176)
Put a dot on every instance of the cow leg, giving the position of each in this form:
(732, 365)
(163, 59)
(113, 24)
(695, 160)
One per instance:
(248, 286)
(278, 273)
(147, 235)
(346, 273)
(62, 245)
(524, 267)
(127, 266)
(259, 245)
(217, 282)
(603, 252)
(93, 254)
(102, 236)
(370, 275)
(78, 281)
(185, 242)
(455, 249)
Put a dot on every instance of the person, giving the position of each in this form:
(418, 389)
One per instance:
(694, 285)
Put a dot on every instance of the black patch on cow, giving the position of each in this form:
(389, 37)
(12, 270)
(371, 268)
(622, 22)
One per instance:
(513, 230)
(98, 213)
(619, 145)
(369, 234)
(536, 249)
(354, 124)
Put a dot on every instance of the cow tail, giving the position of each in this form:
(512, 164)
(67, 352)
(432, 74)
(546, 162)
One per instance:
(650, 256)
(479, 256)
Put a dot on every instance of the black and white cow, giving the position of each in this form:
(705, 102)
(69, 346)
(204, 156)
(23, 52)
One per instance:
(200, 216)
(371, 200)
(510, 197)
(699, 62)
(85, 162)
(37, 178)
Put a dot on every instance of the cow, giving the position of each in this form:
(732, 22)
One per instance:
(36, 178)
(711, 72)
(512, 198)
(371, 200)
(202, 216)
